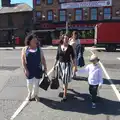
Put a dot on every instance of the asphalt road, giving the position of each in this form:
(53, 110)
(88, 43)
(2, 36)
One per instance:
(13, 92)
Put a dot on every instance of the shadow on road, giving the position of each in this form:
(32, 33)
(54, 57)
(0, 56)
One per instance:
(81, 103)
(106, 81)
(79, 78)
(115, 81)
(106, 51)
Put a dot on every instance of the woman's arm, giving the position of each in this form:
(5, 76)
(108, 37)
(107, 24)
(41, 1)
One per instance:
(73, 59)
(23, 60)
(100, 77)
(83, 70)
(57, 57)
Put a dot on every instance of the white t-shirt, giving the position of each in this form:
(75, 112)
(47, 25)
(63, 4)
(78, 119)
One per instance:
(74, 43)
(95, 74)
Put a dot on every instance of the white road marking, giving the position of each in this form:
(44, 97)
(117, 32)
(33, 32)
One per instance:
(24, 104)
(118, 58)
(109, 79)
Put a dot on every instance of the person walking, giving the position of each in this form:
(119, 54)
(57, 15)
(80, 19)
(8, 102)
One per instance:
(74, 41)
(80, 55)
(32, 61)
(95, 79)
(65, 56)
(13, 41)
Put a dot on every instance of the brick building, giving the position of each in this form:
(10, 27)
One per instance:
(15, 19)
(51, 15)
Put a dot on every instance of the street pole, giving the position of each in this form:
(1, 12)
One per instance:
(66, 26)
(67, 22)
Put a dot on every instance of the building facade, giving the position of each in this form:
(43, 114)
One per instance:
(15, 19)
(80, 14)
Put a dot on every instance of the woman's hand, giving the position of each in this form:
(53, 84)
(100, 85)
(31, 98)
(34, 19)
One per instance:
(100, 86)
(26, 73)
(45, 69)
(75, 69)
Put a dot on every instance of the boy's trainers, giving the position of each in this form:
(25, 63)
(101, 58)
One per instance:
(64, 99)
(37, 99)
(93, 105)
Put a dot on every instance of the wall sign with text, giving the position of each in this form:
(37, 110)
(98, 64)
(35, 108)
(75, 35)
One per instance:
(71, 5)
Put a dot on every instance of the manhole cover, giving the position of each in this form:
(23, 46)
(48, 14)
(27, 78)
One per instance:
(10, 68)
(112, 66)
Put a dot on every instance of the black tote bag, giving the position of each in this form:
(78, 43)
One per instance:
(54, 79)
(45, 82)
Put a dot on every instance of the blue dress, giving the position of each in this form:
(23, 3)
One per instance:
(34, 65)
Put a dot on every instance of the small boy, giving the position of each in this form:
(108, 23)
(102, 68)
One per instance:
(95, 79)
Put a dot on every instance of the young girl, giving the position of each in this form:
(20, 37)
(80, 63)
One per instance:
(95, 79)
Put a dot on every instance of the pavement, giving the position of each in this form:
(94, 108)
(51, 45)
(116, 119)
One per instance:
(13, 91)
(46, 47)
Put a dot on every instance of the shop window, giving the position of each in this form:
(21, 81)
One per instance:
(38, 2)
(38, 14)
(49, 1)
(93, 12)
(78, 14)
(62, 15)
(50, 15)
(107, 13)
(61, 1)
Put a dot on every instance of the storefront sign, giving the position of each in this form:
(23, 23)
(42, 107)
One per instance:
(71, 5)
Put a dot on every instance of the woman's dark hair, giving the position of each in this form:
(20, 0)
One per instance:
(75, 33)
(62, 38)
(28, 39)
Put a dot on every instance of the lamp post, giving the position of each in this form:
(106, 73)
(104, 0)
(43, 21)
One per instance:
(43, 16)
(67, 22)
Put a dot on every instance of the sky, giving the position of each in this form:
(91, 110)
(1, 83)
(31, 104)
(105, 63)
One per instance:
(21, 1)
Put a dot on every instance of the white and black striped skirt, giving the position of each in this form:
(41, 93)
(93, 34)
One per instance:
(65, 72)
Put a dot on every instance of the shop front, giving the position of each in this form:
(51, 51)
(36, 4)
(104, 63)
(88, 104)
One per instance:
(50, 33)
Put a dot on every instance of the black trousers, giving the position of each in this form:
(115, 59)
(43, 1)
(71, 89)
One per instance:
(93, 91)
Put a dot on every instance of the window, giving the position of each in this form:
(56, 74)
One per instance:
(50, 15)
(38, 14)
(107, 13)
(78, 14)
(38, 2)
(49, 1)
(93, 13)
(61, 1)
(62, 15)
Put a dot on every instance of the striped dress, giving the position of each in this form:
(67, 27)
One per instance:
(64, 63)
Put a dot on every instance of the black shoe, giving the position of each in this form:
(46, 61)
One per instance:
(93, 105)
(64, 99)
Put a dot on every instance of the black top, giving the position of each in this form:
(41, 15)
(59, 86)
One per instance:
(65, 56)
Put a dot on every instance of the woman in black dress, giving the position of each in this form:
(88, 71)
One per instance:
(65, 58)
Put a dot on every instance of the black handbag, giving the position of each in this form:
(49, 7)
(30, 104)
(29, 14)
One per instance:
(45, 82)
(54, 79)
